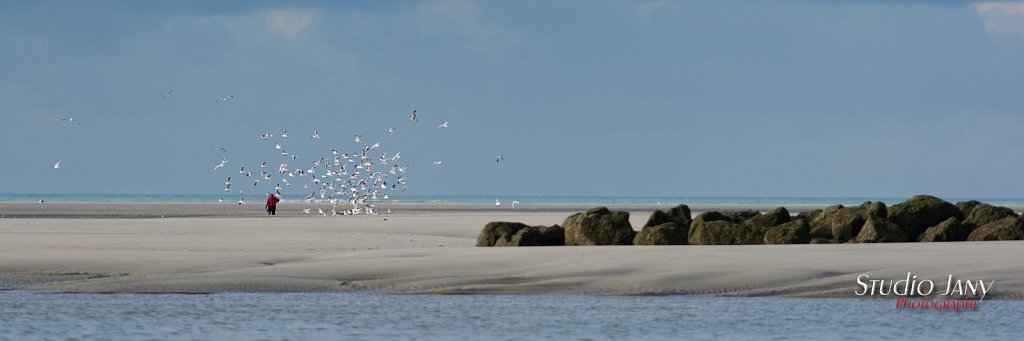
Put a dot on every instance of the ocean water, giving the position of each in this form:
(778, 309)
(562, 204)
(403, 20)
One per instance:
(367, 316)
(489, 199)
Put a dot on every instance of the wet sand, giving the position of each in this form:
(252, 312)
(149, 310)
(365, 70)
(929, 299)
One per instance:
(428, 249)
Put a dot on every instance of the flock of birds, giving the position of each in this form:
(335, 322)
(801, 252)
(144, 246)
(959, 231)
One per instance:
(352, 181)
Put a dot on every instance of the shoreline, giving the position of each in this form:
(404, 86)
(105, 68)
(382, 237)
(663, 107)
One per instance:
(429, 249)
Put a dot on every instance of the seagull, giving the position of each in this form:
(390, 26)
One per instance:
(306, 211)
(57, 164)
(413, 117)
(391, 130)
(358, 138)
(514, 203)
(227, 185)
(437, 163)
(443, 125)
(72, 120)
(284, 135)
(224, 99)
(497, 203)
(221, 149)
(168, 94)
(222, 163)
(316, 135)
(499, 158)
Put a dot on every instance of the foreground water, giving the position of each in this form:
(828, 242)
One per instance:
(30, 316)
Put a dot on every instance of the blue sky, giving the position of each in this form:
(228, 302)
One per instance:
(695, 98)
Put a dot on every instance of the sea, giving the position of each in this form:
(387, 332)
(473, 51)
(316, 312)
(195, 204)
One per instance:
(374, 316)
(489, 199)
(370, 316)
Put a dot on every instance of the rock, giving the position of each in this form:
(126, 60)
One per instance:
(847, 221)
(821, 224)
(718, 228)
(764, 221)
(966, 207)
(1003, 229)
(879, 230)
(982, 214)
(823, 241)
(741, 216)
(499, 233)
(808, 215)
(947, 231)
(598, 226)
(793, 232)
(921, 212)
(679, 214)
(670, 233)
(539, 236)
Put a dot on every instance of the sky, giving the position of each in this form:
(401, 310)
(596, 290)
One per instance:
(867, 98)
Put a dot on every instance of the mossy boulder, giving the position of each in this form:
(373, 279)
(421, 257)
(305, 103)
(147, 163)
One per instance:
(821, 224)
(764, 221)
(722, 228)
(982, 214)
(797, 231)
(670, 233)
(679, 215)
(1003, 229)
(966, 207)
(950, 230)
(501, 233)
(921, 212)
(598, 226)
(848, 221)
(880, 230)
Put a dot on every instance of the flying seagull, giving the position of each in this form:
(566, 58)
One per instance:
(443, 125)
(499, 158)
(57, 164)
(224, 99)
(72, 120)
(168, 94)
(358, 138)
(316, 135)
(221, 164)
(413, 117)
(437, 163)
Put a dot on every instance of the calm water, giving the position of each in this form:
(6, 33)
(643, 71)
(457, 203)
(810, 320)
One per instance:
(30, 316)
(488, 199)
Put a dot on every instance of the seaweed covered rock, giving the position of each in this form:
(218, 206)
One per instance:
(679, 214)
(664, 234)
(950, 230)
(921, 212)
(598, 226)
(879, 230)
(982, 214)
(1004, 229)
(793, 232)
(847, 221)
(723, 228)
(502, 233)
(966, 207)
(499, 233)
(764, 221)
(821, 224)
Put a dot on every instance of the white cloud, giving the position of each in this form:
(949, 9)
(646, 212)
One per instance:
(461, 19)
(1002, 17)
(290, 23)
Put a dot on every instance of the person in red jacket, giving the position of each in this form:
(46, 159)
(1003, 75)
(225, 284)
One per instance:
(271, 205)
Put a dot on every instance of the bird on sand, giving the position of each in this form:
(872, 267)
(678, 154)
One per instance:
(514, 203)
(497, 203)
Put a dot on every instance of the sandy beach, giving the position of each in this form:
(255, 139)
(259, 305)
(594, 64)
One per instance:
(429, 249)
